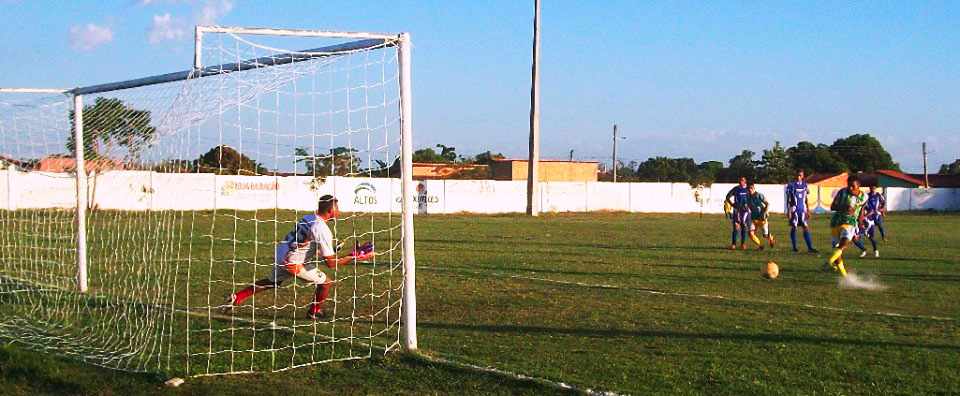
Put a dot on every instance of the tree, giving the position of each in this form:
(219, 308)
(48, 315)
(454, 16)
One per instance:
(341, 161)
(224, 160)
(448, 153)
(109, 123)
(741, 165)
(429, 156)
(484, 158)
(665, 169)
(950, 169)
(863, 153)
(815, 158)
(706, 173)
(775, 165)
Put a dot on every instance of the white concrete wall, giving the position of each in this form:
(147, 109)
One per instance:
(139, 190)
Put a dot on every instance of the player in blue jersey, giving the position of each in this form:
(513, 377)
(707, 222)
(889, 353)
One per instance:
(876, 210)
(798, 211)
(737, 198)
(866, 228)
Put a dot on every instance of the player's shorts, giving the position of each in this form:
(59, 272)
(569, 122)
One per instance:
(866, 229)
(281, 272)
(307, 272)
(797, 219)
(761, 224)
(741, 217)
(844, 231)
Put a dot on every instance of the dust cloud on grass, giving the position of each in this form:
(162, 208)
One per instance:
(854, 281)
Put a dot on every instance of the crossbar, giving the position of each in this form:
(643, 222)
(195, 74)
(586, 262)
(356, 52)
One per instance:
(296, 32)
(265, 61)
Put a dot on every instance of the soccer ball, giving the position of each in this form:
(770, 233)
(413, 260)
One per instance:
(771, 270)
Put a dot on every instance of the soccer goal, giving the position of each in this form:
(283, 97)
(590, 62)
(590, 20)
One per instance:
(130, 210)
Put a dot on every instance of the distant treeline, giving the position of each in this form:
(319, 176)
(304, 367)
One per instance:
(855, 153)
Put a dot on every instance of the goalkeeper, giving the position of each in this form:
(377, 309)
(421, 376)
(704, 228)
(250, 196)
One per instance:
(311, 235)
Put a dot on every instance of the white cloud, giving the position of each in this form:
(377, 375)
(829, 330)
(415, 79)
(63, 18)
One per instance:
(86, 38)
(212, 10)
(165, 27)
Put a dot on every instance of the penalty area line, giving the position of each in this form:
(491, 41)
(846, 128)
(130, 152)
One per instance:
(719, 297)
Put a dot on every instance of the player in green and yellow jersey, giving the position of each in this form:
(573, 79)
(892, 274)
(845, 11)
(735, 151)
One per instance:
(759, 207)
(848, 211)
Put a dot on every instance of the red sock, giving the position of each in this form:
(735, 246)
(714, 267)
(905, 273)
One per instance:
(319, 297)
(244, 294)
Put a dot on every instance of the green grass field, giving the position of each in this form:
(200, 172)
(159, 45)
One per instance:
(628, 303)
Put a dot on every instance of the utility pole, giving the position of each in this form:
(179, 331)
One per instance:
(926, 178)
(571, 155)
(533, 185)
(614, 153)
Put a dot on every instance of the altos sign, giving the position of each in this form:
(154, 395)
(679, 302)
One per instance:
(365, 194)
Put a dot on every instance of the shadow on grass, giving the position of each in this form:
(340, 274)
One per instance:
(613, 333)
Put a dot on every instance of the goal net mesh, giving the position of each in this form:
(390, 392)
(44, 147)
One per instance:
(190, 186)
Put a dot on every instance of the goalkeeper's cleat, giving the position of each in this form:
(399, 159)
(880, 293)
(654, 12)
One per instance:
(876, 253)
(227, 307)
(863, 253)
(319, 315)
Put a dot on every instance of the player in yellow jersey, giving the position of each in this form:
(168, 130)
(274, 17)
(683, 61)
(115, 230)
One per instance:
(759, 207)
(848, 211)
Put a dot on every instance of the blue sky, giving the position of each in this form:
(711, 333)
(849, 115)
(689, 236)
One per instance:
(697, 79)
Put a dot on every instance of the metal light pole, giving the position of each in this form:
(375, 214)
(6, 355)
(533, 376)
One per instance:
(533, 185)
(615, 138)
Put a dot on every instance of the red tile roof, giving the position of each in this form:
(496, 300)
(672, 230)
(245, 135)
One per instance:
(940, 181)
(901, 176)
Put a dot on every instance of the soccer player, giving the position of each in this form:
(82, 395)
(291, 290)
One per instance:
(741, 214)
(848, 211)
(798, 210)
(759, 207)
(876, 210)
(310, 236)
(866, 229)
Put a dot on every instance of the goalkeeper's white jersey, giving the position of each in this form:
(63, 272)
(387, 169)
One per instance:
(310, 234)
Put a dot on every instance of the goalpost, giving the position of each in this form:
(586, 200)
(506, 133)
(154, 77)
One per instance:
(129, 210)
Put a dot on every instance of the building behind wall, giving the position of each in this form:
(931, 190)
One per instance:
(549, 171)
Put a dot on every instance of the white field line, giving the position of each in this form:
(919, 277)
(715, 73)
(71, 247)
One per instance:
(518, 376)
(719, 297)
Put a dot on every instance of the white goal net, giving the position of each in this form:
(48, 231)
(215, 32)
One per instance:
(189, 183)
